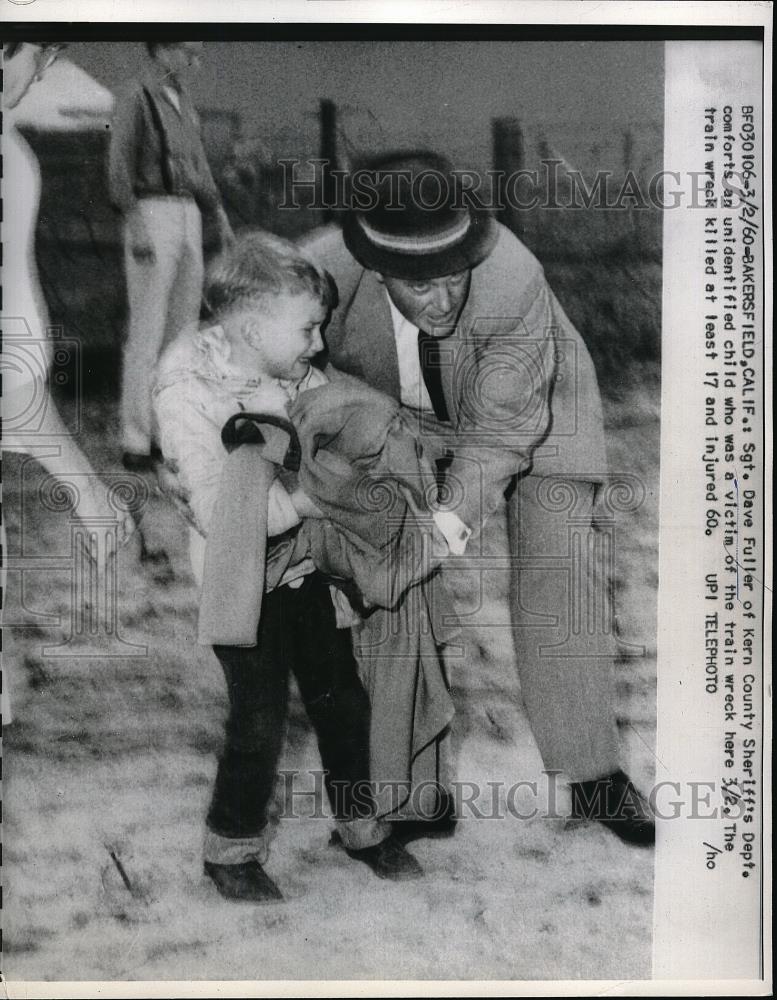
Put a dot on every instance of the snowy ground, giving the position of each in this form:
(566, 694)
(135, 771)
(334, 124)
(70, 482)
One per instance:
(117, 754)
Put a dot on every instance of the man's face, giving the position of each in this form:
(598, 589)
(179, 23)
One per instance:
(282, 339)
(181, 59)
(433, 305)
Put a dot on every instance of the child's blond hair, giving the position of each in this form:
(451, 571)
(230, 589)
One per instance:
(260, 266)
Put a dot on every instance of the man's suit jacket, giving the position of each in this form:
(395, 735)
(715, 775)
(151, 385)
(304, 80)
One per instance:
(518, 380)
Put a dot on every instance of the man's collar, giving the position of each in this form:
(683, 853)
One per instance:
(156, 75)
(397, 319)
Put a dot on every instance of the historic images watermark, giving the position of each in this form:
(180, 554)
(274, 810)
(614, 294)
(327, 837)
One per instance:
(300, 795)
(318, 184)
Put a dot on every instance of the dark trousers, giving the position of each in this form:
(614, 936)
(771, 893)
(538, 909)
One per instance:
(297, 633)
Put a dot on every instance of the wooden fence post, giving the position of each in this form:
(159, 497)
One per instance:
(509, 156)
(546, 215)
(328, 153)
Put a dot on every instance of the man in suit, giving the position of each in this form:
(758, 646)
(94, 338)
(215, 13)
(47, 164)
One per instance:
(446, 311)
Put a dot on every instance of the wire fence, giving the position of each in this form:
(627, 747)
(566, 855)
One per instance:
(79, 235)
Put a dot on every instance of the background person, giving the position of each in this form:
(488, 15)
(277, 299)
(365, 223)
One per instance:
(31, 422)
(161, 183)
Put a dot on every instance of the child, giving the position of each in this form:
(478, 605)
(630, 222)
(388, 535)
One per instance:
(268, 303)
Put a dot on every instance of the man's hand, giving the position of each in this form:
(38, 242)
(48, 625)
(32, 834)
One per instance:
(303, 505)
(170, 485)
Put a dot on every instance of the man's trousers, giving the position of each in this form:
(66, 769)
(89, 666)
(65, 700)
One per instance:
(562, 622)
(164, 297)
(561, 614)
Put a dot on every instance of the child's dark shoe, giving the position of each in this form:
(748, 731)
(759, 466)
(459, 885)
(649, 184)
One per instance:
(247, 881)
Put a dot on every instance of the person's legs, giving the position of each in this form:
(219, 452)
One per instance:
(562, 626)
(339, 709)
(184, 300)
(5, 698)
(149, 284)
(297, 631)
(335, 702)
(237, 836)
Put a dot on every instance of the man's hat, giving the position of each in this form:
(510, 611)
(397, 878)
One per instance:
(411, 218)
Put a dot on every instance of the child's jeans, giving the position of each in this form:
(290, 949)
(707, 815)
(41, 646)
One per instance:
(297, 632)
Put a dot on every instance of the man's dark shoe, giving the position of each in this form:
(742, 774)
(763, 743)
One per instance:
(614, 802)
(388, 859)
(247, 881)
(133, 462)
(137, 462)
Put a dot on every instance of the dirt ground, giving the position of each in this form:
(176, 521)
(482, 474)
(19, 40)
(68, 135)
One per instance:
(110, 759)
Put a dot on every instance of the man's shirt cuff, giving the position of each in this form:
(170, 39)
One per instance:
(453, 529)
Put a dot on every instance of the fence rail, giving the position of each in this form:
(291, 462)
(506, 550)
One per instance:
(79, 235)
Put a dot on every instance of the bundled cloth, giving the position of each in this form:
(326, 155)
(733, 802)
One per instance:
(359, 461)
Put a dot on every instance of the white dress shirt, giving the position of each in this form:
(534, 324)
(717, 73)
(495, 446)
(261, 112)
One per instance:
(413, 391)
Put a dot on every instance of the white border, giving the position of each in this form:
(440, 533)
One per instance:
(582, 12)
(469, 12)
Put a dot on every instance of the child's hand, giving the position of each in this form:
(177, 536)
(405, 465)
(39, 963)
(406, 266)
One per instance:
(303, 505)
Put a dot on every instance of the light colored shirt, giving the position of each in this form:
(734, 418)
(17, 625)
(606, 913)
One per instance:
(413, 391)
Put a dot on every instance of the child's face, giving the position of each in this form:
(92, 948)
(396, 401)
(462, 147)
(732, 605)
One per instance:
(283, 339)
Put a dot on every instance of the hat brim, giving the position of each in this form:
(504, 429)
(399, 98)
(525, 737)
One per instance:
(476, 245)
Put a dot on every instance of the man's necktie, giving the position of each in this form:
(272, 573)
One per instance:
(429, 356)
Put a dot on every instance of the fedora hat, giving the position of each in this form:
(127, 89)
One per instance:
(410, 218)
